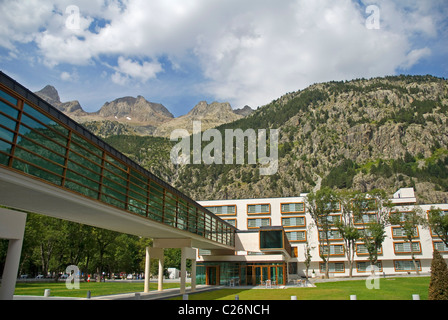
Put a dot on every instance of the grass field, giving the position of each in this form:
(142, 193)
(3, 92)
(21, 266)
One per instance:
(390, 289)
(96, 288)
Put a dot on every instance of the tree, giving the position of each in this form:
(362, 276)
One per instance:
(409, 222)
(103, 238)
(321, 205)
(372, 210)
(438, 222)
(438, 285)
(308, 255)
(48, 237)
(346, 227)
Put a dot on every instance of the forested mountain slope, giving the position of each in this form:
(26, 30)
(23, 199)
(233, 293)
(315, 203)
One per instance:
(363, 134)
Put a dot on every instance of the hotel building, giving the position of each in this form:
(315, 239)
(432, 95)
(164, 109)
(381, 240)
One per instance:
(271, 240)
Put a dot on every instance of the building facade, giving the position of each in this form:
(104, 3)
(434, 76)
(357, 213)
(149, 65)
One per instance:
(256, 261)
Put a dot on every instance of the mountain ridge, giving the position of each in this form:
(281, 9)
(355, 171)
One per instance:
(388, 133)
(136, 115)
(363, 134)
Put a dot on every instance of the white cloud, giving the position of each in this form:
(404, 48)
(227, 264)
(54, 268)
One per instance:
(128, 68)
(69, 77)
(414, 57)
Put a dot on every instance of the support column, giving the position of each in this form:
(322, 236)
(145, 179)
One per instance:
(187, 252)
(183, 270)
(9, 277)
(156, 253)
(193, 275)
(147, 270)
(12, 227)
(161, 262)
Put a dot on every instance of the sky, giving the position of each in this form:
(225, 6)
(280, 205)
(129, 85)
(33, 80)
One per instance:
(245, 52)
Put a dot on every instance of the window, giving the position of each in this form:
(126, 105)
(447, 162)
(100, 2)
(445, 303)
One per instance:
(366, 218)
(253, 223)
(8, 98)
(362, 266)
(361, 250)
(398, 232)
(223, 210)
(333, 206)
(332, 235)
(232, 222)
(406, 265)
(440, 246)
(272, 239)
(405, 247)
(336, 267)
(335, 250)
(296, 236)
(258, 209)
(298, 207)
(294, 222)
(204, 252)
(8, 112)
(332, 219)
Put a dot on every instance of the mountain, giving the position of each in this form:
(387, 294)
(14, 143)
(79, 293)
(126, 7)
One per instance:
(210, 115)
(135, 110)
(363, 134)
(51, 95)
(246, 111)
(137, 116)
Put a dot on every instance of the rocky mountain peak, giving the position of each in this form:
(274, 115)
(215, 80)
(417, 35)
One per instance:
(203, 109)
(49, 94)
(136, 110)
(210, 115)
(244, 111)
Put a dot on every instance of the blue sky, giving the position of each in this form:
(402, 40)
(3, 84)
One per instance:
(180, 52)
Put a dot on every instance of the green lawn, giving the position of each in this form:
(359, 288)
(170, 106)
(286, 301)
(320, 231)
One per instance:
(96, 288)
(390, 289)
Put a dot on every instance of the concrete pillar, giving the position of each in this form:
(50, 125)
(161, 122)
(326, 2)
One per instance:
(12, 227)
(161, 263)
(147, 270)
(9, 276)
(183, 270)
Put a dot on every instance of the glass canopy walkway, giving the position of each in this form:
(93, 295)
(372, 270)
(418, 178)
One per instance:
(39, 141)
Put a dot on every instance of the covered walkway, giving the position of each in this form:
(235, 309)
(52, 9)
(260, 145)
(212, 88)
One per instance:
(51, 165)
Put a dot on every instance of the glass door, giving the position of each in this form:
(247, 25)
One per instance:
(264, 274)
(212, 276)
(250, 276)
(273, 275)
(261, 274)
(280, 275)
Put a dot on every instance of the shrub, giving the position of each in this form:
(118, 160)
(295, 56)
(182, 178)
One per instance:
(438, 286)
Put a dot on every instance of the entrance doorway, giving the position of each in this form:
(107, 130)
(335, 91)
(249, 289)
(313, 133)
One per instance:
(212, 276)
(259, 274)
